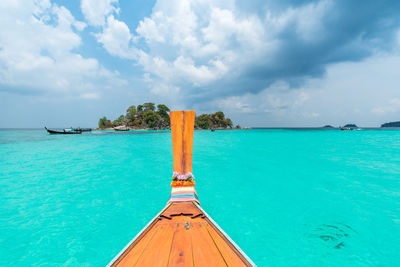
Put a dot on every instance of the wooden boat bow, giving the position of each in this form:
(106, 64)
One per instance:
(182, 234)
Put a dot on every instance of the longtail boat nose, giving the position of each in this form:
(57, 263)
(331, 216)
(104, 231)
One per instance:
(182, 234)
(183, 184)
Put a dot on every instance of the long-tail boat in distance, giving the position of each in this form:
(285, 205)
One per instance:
(82, 129)
(121, 129)
(182, 234)
(65, 131)
(349, 127)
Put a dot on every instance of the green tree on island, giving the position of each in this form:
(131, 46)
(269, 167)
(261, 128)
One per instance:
(203, 121)
(162, 111)
(122, 120)
(212, 121)
(131, 113)
(150, 116)
(149, 107)
(104, 123)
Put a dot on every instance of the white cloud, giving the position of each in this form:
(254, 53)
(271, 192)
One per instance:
(116, 39)
(90, 96)
(96, 11)
(216, 48)
(115, 35)
(311, 115)
(391, 106)
(193, 44)
(365, 93)
(174, 22)
(65, 19)
(250, 62)
(277, 99)
(150, 30)
(395, 101)
(307, 19)
(198, 75)
(165, 91)
(36, 51)
(236, 104)
(245, 59)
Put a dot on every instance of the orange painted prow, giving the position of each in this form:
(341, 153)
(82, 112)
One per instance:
(182, 128)
(182, 234)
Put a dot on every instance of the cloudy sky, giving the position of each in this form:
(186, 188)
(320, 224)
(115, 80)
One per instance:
(264, 63)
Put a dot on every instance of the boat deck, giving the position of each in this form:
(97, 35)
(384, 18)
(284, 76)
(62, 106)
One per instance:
(182, 235)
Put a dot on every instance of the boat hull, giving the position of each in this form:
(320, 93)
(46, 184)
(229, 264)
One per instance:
(83, 129)
(60, 132)
(182, 234)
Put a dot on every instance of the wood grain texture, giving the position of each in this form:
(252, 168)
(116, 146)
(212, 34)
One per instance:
(229, 255)
(181, 250)
(159, 247)
(182, 129)
(176, 238)
(177, 139)
(188, 130)
(205, 252)
(136, 252)
(184, 208)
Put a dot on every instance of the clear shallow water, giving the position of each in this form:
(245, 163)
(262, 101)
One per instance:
(286, 197)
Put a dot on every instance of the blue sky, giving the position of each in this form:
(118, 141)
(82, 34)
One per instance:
(264, 63)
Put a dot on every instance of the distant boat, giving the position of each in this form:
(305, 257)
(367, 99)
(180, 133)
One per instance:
(65, 131)
(82, 129)
(349, 127)
(121, 129)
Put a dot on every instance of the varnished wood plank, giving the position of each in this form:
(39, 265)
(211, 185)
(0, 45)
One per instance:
(188, 130)
(181, 250)
(134, 254)
(182, 128)
(177, 139)
(187, 208)
(205, 252)
(227, 252)
(187, 219)
(158, 250)
(180, 219)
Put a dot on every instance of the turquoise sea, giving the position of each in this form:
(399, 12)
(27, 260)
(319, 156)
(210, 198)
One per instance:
(286, 197)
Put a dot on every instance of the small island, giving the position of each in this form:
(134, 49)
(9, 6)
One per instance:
(148, 116)
(391, 124)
